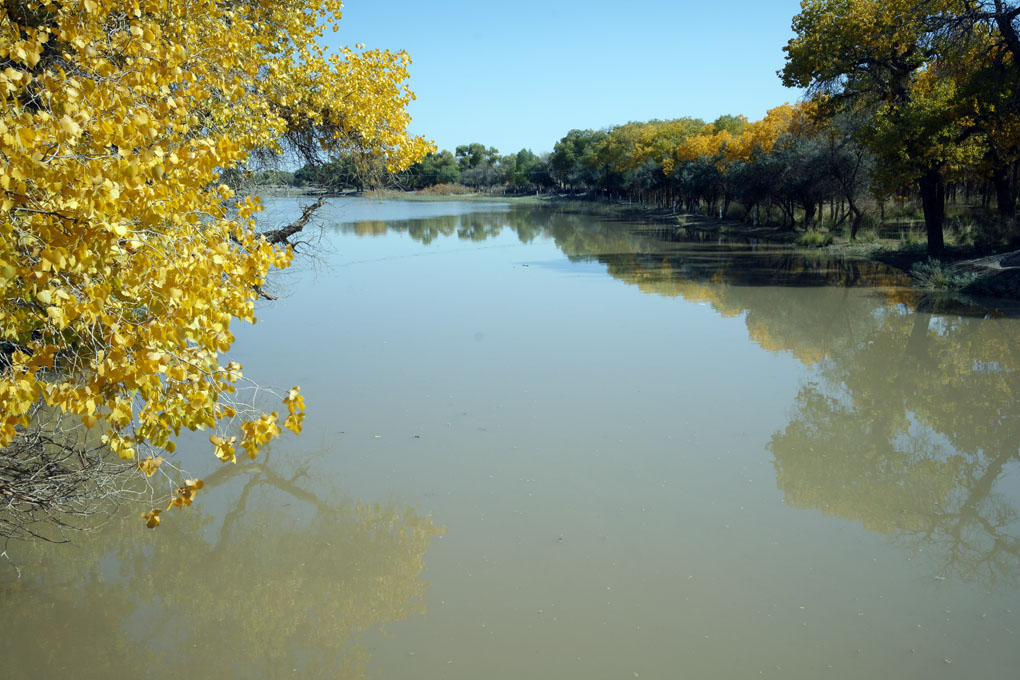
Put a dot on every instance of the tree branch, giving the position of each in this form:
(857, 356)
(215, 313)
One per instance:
(281, 235)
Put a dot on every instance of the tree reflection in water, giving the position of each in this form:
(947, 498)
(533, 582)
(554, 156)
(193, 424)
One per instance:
(289, 582)
(913, 429)
(910, 422)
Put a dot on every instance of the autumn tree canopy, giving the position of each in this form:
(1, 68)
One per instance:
(123, 260)
(941, 77)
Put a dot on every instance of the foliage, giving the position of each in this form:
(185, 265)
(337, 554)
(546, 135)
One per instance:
(123, 260)
(446, 190)
(941, 78)
(435, 168)
(815, 239)
(525, 170)
(573, 162)
(910, 99)
(997, 233)
(334, 175)
(934, 275)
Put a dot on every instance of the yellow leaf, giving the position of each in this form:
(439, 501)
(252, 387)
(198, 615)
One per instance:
(152, 518)
(127, 244)
(150, 465)
(68, 125)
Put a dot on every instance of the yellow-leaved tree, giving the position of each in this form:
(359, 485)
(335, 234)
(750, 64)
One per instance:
(123, 260)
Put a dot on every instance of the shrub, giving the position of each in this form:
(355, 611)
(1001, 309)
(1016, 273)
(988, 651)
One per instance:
(815, 239)
(446, 190)
(912, 237)
(996, 232)
(934, 275)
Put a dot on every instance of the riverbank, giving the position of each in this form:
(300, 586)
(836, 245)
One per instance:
(971, 272)
(962, 270)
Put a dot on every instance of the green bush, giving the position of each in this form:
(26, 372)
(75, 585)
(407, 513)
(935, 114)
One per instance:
(901, 211)
(912, 237)
(815, 239)
(961, 230)
(934, 275)
(996, 232)
(867, 235)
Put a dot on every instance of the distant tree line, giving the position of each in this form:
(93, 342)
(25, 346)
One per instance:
(915, 101)
(473, 165)
(788, 167)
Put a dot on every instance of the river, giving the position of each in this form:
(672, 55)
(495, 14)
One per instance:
(549, 445)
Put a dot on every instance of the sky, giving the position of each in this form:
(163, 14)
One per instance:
(522, 74)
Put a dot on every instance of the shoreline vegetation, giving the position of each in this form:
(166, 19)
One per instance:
(133, 137)
(962, 269)
(908, 132)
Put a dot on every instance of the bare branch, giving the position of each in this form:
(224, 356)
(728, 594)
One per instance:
(281, 235)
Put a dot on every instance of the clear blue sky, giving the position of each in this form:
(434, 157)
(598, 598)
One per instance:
(522, 74)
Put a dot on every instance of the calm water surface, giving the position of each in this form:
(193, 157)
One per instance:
(551, 446)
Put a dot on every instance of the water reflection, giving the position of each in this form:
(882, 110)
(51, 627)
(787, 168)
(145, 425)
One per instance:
(914, 430)
(287, 581)
(575, 234)
(655, 257)
(909, 422)
(672, 260)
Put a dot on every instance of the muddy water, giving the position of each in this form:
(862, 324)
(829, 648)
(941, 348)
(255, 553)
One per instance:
(548, 445)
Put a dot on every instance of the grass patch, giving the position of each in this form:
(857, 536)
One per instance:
(446, 190)
(912, 237)
(815, 239)
(867, 236)
(934, 275)
(904, 211)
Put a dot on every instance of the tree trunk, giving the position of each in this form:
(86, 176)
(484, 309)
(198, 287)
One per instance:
(1004, 21)
(809, 214)
(789, 219)
(933, 202)
(855, 226)
(1004, 192)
